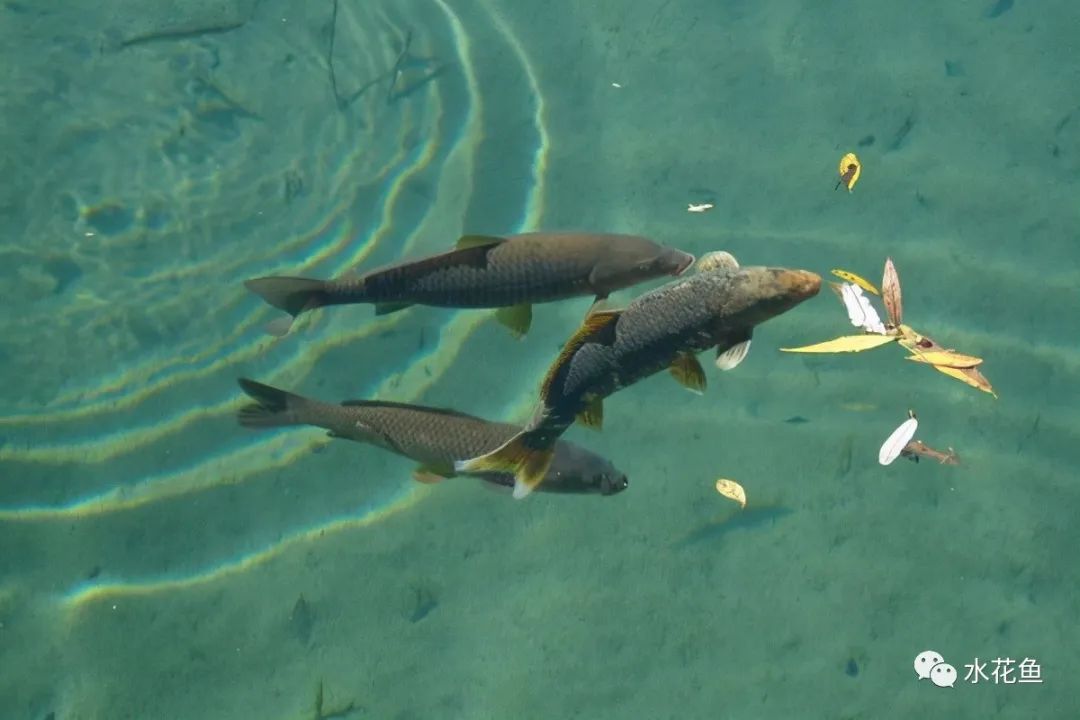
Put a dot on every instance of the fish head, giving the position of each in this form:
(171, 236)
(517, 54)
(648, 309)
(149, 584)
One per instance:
(634, 260)
(752, 295)
(577, 470)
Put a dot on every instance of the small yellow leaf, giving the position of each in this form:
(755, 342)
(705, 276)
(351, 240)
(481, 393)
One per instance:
(946, 358)
(731, 490)
(853, 278)
(850, 168)
(847, 343)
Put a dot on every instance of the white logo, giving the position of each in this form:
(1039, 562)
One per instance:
(930, 664)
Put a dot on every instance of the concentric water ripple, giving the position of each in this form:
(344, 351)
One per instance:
(431, 126)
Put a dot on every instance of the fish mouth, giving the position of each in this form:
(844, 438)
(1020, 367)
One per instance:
(684, 264)
(802, 284)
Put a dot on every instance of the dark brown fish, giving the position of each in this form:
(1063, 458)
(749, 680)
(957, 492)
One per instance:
(434, 437)
(510, 273)
(717, 307)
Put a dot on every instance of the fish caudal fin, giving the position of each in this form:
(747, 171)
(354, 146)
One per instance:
(528, 464)
(272, 408)
(292, 294)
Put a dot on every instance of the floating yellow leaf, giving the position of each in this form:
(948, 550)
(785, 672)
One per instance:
(853, 278)
(847, 343)
(850, 169)
(971, 376)
(946, 358)
(890, 289)
(732, 490)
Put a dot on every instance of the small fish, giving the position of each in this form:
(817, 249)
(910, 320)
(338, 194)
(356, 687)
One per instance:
(699, 207)
(916, 449)
(433, 437)
(510, 273)
(850, 169)
(663, 329)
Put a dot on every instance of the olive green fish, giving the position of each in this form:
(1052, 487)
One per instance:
(434, 437)
(716, 307)
(509, 273)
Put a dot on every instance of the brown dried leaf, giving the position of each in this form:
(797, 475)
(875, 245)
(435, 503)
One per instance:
(890, 293)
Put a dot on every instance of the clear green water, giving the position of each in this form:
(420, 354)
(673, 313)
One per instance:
(153, 555)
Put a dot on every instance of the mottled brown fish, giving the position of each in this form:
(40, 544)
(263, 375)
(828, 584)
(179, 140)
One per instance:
(433, 437)
(717, 307)
(510, 273)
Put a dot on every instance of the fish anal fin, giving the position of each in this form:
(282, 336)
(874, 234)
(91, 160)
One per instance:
(472, 241)
(516, 318)
(280, 326)
(686, 369)
(385, 308)
(430, 474)
(597, 327)
(592, 416)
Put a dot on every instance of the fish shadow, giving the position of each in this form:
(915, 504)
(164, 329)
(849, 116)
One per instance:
(753, 517)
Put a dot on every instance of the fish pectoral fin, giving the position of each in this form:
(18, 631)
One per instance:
(592, 416)
(688, 371)
(516, 318)
(431, 474)
(601, 305)
(729, 359)
(386, 308)
(471, 241)
(527, 464)
(280, 326)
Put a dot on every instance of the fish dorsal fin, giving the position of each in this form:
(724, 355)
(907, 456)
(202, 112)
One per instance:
(472, 241)
(597, 327)
(688, 371)
(516, 318)
(375, 404)
(593, 414)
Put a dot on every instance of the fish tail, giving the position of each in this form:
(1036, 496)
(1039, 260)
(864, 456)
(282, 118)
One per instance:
(294, 295)
(272, 407)
(526, 455)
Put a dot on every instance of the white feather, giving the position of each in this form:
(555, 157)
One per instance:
(899, 439)
(861, 313)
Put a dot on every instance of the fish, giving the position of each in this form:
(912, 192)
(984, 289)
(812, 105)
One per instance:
(717, 307)
(433, 437)
(510, 273)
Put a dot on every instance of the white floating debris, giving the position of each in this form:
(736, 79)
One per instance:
(861, 313)
(731, 490)
(703, 207)
(899, 439)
